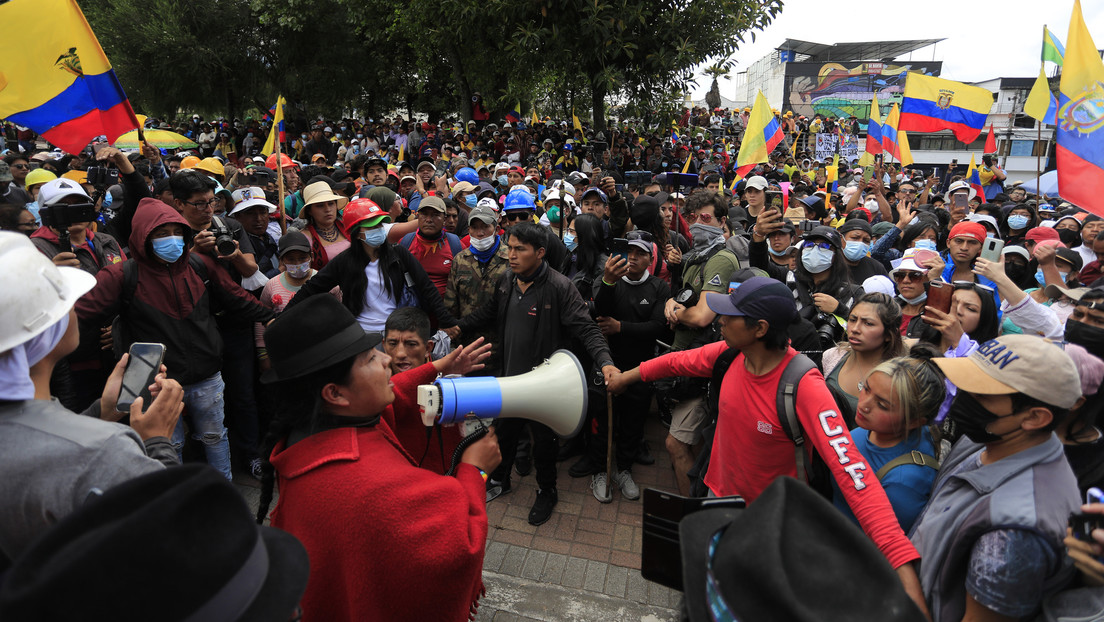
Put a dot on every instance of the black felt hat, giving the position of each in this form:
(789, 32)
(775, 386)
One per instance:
(176, 544)
(312, 336)
(790, 556)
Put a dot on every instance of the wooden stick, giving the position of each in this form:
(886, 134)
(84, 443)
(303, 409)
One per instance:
(609, 445)
(280, 184)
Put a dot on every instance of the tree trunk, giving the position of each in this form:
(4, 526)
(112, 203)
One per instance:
(462, 86)
(598, 106)
(713, 97)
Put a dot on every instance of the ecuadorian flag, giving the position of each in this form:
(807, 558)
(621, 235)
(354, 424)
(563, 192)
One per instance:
(57, 80)
(761, 137)
(514, 114)
(1081, 119)
(932, 104)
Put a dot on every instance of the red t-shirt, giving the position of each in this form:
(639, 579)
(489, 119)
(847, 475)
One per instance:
(751, 448)
(436, 259)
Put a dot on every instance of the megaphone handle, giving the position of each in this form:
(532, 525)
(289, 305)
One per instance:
(468, 441)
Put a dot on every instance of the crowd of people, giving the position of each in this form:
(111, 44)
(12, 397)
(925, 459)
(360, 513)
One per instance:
(925, 356)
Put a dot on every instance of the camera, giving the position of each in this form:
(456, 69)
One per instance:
(61, 216)
(101, 177)
(224, 241)
(828, 329)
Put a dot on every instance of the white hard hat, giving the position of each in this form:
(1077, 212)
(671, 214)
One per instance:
(37, 294)
(488, 203)
(56, 189)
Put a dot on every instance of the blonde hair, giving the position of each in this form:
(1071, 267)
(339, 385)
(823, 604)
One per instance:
(917, 383)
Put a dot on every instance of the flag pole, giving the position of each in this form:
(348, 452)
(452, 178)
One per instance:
(280, 183)
(1038, 160)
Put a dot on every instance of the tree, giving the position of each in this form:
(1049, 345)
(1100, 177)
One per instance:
(716, 71)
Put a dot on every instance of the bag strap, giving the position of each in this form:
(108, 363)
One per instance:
(720, 368)
(795, 370)
(407, 240)
(913, 457)
(130, 283)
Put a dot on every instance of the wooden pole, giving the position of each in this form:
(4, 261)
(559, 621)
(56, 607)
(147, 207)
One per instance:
(1038, 160)
(280, 184)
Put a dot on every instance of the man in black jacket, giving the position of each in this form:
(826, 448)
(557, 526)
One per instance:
(537, 310)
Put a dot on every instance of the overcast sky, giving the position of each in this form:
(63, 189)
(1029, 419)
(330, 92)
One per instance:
(984, 38)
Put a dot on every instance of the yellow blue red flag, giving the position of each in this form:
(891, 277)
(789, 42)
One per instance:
(514, 114)
(1081, 119)
(761, 137)
(873, 134)
(973, 177)
(58, 81)
(932, 104)
(277, 131)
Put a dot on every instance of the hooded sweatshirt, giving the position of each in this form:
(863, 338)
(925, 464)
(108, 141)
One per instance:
(171, 304)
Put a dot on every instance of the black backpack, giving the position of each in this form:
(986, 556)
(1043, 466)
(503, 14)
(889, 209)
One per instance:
(120, 335)
(815, 472)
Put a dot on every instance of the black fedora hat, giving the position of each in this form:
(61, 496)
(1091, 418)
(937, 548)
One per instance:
(786, 557)
(313, 335)
(176, 544)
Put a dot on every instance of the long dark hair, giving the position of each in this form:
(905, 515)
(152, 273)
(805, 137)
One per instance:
(354, 297)
(588, 232)
(300, 406)
(838, 274)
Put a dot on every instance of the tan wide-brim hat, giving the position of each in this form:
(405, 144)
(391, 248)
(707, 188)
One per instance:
(320, 192)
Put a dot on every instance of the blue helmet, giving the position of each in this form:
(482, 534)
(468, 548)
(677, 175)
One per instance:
(469, 175)
(519, 199)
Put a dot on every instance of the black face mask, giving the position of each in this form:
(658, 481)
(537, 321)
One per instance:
(1069, 237)
(1089, 337)
(1015, 271)
(971, 418)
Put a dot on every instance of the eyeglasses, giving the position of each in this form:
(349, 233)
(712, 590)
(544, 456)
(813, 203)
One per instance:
(201, 204)
(908, 276)
(823, 245)
(20, 166)
(903, 191)
(512, 216)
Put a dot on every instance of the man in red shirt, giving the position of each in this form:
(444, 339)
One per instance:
(431, 245)
(750, 447)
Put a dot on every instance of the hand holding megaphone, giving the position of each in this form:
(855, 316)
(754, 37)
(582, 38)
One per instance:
(484, 454)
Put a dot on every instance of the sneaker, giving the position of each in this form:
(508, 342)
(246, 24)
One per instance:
(255, 468)
(496, 489)
(629, 489)
(600, 486)
(523, 465)
(644, 455)
(583, 467)
(542, 507)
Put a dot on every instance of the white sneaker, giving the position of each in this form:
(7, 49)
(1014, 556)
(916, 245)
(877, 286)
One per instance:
(629, 489)
(600, 486)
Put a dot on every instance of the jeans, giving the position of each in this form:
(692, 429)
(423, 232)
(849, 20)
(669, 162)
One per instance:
(204, 406)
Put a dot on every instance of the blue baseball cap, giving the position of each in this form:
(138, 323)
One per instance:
(760, 298)
(601, 195)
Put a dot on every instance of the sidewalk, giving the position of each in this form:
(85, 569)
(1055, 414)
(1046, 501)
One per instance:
(582, 565)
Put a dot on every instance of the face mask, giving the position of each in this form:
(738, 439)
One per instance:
(303, 136)
(1015, 271)
(915, 301)
(816, 259)
(360, 135)
(770, 249)
(704, 235)
(250, 134)
(374, 237)
(855, 250)
(483, 244)
(502, 181)
(471, 200)
(570, 242)
(971, 418)
(871, 206)
(1042, 279)
(298, 270)
(169, 249)
(1089, 337)
(1017, 221)
(928, 245)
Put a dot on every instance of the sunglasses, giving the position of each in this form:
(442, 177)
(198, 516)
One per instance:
(908, 276)
(640, 235)
(20, 166)
(512, 216)
(824, 245)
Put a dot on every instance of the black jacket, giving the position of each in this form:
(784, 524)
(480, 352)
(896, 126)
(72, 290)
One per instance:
(347, 272)
(846, 294)
(563, 315)
(639, 308)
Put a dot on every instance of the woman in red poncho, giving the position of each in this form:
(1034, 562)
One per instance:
(387, 540)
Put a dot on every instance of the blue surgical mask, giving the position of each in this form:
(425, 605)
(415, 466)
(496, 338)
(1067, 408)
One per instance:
(1017, 221)
(1042, 279)
(502, 181)
(471, 200)
(925, 244)
(816, 259)
(374, 237)
(570, 242)
(855, 250)
(770, 249)
(169, 248)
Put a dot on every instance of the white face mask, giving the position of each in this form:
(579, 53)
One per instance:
(484, 243)
(298, 270)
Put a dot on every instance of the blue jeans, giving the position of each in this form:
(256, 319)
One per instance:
(204, 404)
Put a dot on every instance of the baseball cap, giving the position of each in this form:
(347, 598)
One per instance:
(1039, 234)
(432, 202)
(641, 240)
(1011, 364)
(250, 196)
(965, 229)
(827, 233)
(488, 203)
(1015, 249)
(760, 298)
(425, 162)
(484, 213)
(601, 195)
(757, 181)
(57, 189)
(292, 241)
(463, 186)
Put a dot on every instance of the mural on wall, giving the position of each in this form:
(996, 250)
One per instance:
(839, 90)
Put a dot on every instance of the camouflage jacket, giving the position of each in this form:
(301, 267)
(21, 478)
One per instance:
(471, 285)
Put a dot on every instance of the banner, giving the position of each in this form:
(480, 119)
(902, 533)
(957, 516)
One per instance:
(826, 146)
(849, 150)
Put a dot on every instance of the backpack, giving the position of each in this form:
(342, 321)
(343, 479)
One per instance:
(120, 335)
(814, 473)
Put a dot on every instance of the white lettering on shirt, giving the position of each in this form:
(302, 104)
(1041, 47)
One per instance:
(830, 431)
(839, 443)
(855, 471)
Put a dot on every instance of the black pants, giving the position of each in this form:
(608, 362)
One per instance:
(629, 411)
(238, 365)
(545, 448)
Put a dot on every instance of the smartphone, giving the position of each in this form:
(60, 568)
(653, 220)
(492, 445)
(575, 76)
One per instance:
(939, 296)
(774, 199)
(143, 366)
(620, 248)
(991, 249)
(868, 174)
(961, 199)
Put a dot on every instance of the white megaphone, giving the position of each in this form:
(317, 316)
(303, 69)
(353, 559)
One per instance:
(554, 393)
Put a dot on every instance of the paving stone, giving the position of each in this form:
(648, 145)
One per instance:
(574, 571)
(553, 568)
(515, 557)
(616, 578)
(534, 564)
(496, 552)
(595, 577)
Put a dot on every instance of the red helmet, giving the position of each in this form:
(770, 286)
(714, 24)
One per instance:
(285, 161)
(362, 212)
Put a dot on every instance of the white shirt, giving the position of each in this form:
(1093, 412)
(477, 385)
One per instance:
(1086, 252)
(378, 304)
